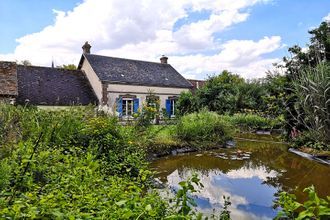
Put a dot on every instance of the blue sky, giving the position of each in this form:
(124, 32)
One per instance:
(198, 31)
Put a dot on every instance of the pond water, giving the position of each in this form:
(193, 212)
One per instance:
(252, 174)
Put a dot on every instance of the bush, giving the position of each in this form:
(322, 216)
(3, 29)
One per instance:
(204, 128)
(72, 164)
(253, 122)
(59, 186)
(187, 103)
(114, 144)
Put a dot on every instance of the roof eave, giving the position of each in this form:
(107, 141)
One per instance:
(142, 84)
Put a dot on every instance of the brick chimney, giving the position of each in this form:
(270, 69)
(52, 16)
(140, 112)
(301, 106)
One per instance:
(163, 59)
(86, 47)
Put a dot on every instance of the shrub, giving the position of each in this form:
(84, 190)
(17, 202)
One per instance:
(59, 186)
(187, 103)
(204, 127)
(252, 121)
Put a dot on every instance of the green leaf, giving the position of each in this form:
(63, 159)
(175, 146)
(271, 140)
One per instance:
(121, 202)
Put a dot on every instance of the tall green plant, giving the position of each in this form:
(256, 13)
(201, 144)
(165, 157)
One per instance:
(204, 128)
(312, 89)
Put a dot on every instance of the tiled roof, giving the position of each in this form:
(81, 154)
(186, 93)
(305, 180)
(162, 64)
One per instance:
(53, 86)
(135, 72)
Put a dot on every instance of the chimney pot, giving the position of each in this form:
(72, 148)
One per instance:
(163, 59)
(86, 47)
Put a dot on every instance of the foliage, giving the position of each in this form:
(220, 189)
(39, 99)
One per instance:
(60, 164)
(68, 67)
(25, 63)
(187, 103)
(307, 71)
(204, 127)
(149, 113)
(274, 101)
(313, 208)
(74, 164)
(251, 96)
(184, 202)
(228, 93)
(113, 144)
(312, 107)
(65, 186)
(253, 121)
(220, 93)
(308, 139)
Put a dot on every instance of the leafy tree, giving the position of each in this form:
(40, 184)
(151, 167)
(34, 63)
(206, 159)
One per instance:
(250, 96)
(221, 92)
(187, 103)
(274, 99)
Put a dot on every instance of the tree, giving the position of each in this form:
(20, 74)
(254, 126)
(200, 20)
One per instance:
(187, 103)
(26, 63)
(317, 50)
(68, 67)
(220, 93)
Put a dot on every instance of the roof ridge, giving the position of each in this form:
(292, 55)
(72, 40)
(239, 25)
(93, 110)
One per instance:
(48, 67)
(127, 59)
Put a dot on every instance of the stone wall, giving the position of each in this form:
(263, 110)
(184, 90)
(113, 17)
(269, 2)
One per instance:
(8, 80)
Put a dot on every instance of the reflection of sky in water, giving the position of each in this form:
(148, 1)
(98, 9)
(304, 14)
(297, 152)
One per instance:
(250, 198)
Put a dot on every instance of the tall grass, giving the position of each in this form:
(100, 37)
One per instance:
(204, 128)
(250, 122)
(312, 89)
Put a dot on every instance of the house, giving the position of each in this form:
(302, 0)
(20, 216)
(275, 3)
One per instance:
(123, 85)
(44, 86)
(117, 85)
(196, 84)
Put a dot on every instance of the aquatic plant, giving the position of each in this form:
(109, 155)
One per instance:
(204, 128)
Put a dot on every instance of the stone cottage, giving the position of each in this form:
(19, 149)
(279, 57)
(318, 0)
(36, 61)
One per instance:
(117, 85)
(123, 85)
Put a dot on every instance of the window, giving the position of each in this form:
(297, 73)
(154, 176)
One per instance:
(128, 107)
(170, 106)
(172, 112)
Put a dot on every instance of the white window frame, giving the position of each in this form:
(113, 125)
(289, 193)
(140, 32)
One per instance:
(172, 104)
(126, 106)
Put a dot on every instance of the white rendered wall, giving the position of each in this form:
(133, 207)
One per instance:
(141, 92)
(93, 79)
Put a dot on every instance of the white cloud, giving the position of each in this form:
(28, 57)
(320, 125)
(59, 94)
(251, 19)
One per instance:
(239, 56)
(144, 30)
(327, 18)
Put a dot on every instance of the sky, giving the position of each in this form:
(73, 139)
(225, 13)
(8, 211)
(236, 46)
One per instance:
(200, 37)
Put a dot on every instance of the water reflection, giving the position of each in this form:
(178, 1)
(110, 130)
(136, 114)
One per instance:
(251, 184)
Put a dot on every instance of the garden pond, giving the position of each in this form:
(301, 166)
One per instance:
(252, 174)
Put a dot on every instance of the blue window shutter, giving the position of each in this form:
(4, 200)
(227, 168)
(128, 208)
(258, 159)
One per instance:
(136, 105)
(119, 103)
(168, 107)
